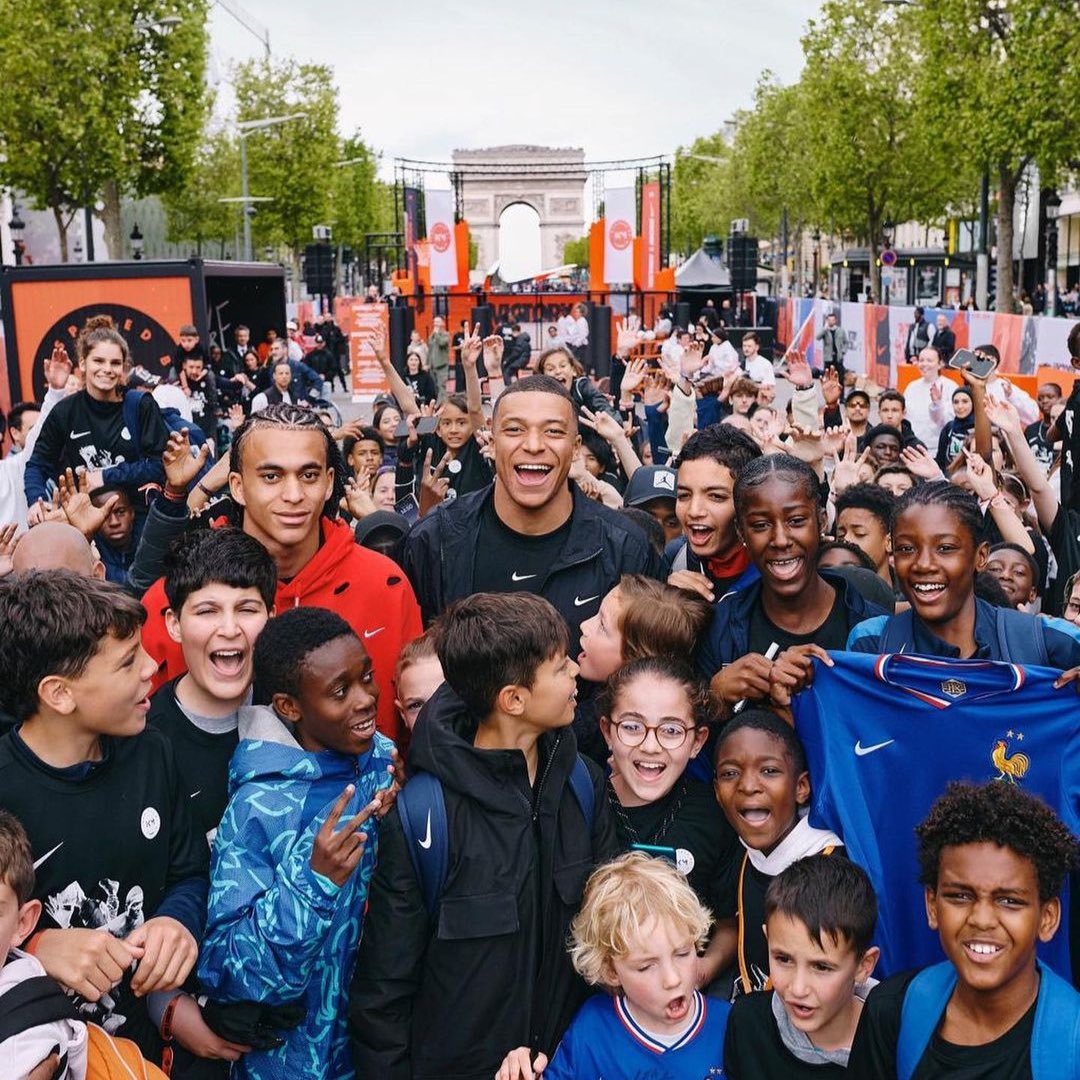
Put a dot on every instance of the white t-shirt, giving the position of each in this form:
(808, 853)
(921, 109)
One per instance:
(928, 417)
(760, 369)
(259, 402)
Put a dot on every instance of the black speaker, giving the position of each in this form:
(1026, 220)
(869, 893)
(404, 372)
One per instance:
(600, 340)
(485, 316)
(742, 262)
(401, 325)
(682, 314)
(319, 269)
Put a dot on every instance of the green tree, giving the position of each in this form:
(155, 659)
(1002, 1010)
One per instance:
(357, 204)
(871, 156)
(999, 86)
(195, 213)
(577, 251)
(291, 163)
(701, 197)
(100, 96)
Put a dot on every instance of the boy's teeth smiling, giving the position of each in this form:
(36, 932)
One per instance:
(755, 815)
(929, 588)
(982, 948)
(785, 568)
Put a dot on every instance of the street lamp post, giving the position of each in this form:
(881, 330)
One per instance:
(1053, 208)
(17, 226)
(245, 128)
(136, 238)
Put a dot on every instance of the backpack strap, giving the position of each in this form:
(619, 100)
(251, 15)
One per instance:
(1020, 637)
(132, 401)
(31, 1003)
(924, 1002)
(1055, 1038)
(582, 786)
(422, 810)
(898, 633)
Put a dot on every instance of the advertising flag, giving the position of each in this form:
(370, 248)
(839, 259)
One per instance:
(619, 236)
(440, 233)
(650, 231)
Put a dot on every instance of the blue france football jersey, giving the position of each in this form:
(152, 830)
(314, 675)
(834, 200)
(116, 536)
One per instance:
(604, 1042)
(884, 735)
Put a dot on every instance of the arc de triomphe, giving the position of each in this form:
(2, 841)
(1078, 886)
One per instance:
(549, 179)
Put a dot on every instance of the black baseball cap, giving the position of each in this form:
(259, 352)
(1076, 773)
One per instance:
(648, 483)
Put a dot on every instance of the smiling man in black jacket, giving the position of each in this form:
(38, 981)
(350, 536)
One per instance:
(450, 979)
(531, 530)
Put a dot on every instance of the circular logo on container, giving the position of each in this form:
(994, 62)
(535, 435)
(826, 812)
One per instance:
(684, 860)
(620, 234)
(440, 237)
(150, 823)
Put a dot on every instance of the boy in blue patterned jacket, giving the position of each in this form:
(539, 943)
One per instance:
(295, 850)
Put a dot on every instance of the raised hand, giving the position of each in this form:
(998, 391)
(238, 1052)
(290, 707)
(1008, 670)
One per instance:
(920, 463)
(471, 344)
(493, 353)
(634, 375)
(981, 476)
(235, 417)
(181, 466)
(626, 335)
(833, 440)
(604, 424)
(8, 540)
(1003, 414)
(78, 507)
(831, 390)
(935, 391)
(336, 855)
(58, 367)
(693, 358)
(851, 466)
(798, 371)
(357, 499)
(434, 485)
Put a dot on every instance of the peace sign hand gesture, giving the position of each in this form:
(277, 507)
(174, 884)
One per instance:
(336, 855)
(434, 486)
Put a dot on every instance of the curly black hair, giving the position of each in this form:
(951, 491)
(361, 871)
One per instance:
(870, 497)
(285, 644)
(768, 722)
(864, 560)
(943, 493)
(1002, 814)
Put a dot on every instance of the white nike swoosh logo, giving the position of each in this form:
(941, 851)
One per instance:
(515, 576)
(426, 842)
(48, 853)
(862, 751)
(79, 434)
(372, 633)
(578, 602)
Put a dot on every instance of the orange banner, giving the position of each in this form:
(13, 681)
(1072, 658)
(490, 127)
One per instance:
(365, 322)
(650, 231)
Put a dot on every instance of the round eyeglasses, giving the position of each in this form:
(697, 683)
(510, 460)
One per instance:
(670, 735)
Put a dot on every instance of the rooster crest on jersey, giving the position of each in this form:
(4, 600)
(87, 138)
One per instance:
(1011, 767)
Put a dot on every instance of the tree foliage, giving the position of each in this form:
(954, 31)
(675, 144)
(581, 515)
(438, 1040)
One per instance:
(99, 92)
(577, 251)
(195, 212)
(1000, 84)
(291, 163)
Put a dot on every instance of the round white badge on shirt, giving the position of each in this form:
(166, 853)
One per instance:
(453, 466)
(150, 823)
(684, 860)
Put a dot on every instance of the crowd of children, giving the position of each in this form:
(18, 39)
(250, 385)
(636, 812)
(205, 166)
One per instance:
(474, 744)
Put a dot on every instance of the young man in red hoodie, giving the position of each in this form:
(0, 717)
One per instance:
(286, 478)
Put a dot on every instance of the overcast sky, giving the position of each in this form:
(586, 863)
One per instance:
(621, 78)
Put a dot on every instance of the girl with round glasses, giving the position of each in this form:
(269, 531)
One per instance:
(654, 716)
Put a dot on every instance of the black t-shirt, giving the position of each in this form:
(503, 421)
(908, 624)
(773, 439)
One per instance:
(82, 432)
(509, 561)
(873, 1054)
(109, 840)
(1065, 542)
(468, 472)
(202, 758)
(753, 957)
(689, 820)
(753, 1049)
(831, 634)
(204, 405)
(1041, 447)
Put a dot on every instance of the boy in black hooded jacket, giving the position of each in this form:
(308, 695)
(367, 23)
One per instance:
(450, 992)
